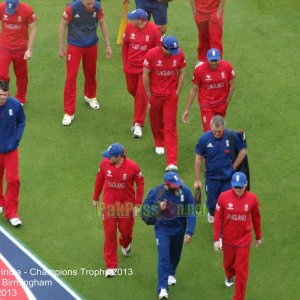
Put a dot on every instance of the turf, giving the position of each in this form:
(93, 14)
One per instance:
(58, 165)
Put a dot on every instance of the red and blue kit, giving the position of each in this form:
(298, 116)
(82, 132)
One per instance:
(213, 90)
(234, 217)
(13, 44)
(136, 43)
(119, 198)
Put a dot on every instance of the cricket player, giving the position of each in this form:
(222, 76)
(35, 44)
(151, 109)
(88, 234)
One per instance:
(16, 42)
(214, 148)
(208, 16)
(80, 19)
(139, 37)
(173, 206)
(116, 177)
(12, 124)
(214, 82)
(237, 209)
(163, 77)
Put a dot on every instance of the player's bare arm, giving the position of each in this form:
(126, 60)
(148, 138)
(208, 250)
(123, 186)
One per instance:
(239, 159)
(220, 8)
(31, 39)
(61, 36)
(146, 81)
(198, 163)
(103, 27)
(193, 6)
(231, 90)
(189, 102)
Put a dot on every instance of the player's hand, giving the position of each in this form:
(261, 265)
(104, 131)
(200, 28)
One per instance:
(185, 117)
(28, 54)
(95, 204)
(218, 246)
(108, 52)
(197, 184)
(163, 205)
(187, 239)
(258, 243)
(61, 52)
(136, 211)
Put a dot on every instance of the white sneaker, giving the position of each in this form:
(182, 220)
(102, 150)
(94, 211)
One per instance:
(1, 210)
(15, 222)
(160, 150)
(67, 120)
(137, 130)
(92, 102)
(163, 294)
(171, 280)
(229, 282)
(210, 218)
(171, 168)
(127, 251)
(110, 273)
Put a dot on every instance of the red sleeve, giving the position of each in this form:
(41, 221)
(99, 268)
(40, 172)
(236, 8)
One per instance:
(147, 61)
(100, 14)
(182, 61)
(31, 16)
(68, 15)
(157, 37)
(139, 181)
(196, 77)
(255, 215)
(99, 183)
(218, 219)
(125, 46)
(230, 71)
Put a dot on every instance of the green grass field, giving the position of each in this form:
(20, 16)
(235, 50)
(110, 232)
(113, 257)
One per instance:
(58, 165)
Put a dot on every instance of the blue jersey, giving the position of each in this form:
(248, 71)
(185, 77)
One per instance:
(82, 26)
(179, 215)
(217, 154)
(12, 124)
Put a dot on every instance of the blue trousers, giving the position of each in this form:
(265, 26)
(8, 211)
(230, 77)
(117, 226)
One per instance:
(169, 252)
(213, 190)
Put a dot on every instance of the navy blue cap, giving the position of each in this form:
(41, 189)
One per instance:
(213, 54)
(170, 43)
(238, 179)
(11, 6)
(173, 180)
(137, 14)
(113, 150)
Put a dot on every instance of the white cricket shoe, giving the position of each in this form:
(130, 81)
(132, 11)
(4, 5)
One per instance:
(15, 222)
(160, 150)
(127, 251)
(1, 210)
(210, 218)
(229, 282)
(171, 280)
(171, 168)
(137, 131)
(110, 273)
(67, 120)
(92, 102)
(163, 294)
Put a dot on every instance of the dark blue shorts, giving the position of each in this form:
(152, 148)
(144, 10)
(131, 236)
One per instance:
(155, 9)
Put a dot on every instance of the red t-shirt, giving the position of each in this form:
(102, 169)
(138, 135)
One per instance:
(213, 84)
(136, 43)
(234, 217)
(207, 6)
(118, 183)
(14, 34)
(163, 71)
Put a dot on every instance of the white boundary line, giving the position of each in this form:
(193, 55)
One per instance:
(19, 278)
(37, 261)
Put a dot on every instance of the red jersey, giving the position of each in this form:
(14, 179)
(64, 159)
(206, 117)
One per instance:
(234, 217)
(213, 84)
(14, 34)
(118, 182)
(163, 71)
(136, 43)
(207, 6)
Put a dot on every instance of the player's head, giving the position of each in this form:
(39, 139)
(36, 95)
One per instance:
(172, 180)
(239, 183)
(4, 88)
(138, 17)
(170, 45)
(11, 6)
(213, 57)
(114, 153)
(88, 4)
(217, 126)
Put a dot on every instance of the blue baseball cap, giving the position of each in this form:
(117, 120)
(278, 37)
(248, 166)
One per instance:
(173, 180)
(11, 6)
(238, 179)
(170, 43)
(113, 150)
(213, 54)
(137, 14)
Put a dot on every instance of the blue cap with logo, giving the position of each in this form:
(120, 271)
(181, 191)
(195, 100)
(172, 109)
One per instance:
(238, 179)
(173, 180)
(11, 6)
(213, 54)
(170, 43)
(137, 14)
(114, 150)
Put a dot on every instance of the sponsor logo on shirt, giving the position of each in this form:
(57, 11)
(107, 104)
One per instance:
(218, 207)
(210, 145)
(124, 176)
(174, 63)
(207, 77)
(146, 63)
(227, 143)
(116, 185)
(159, 63)
(108, 174)
(132, 36)
(13, 26)
(19, 19)
(140, 175)
(139, 47)
(236, 217)
(77, 16)
(246, 207)
(230, 206)
(217, 85)
(65, 15)
(5, 17)
(147, 38)
(10, 112)
(223, 75)
(165, 73)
